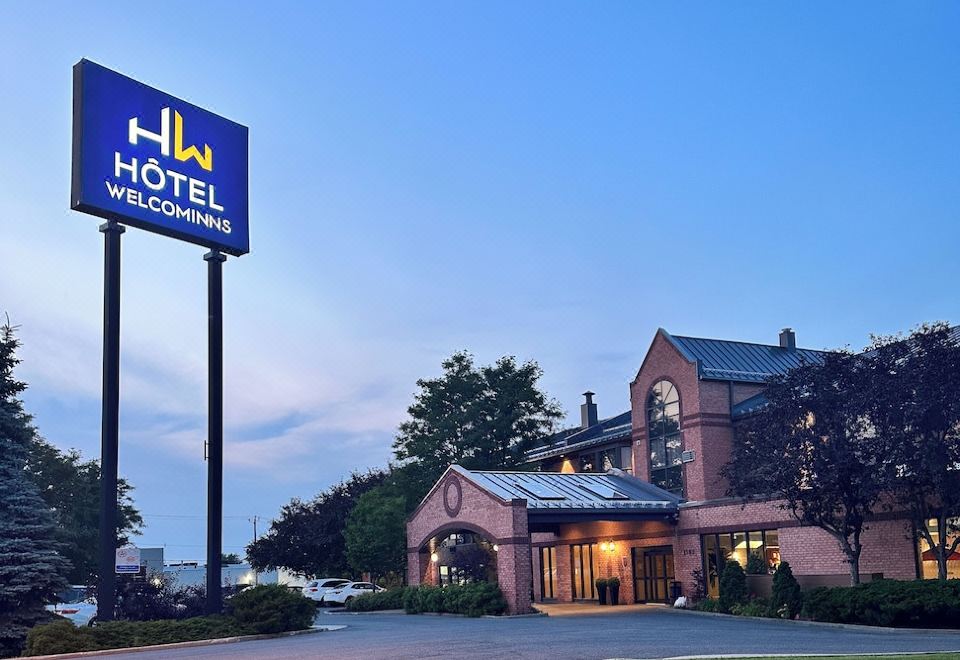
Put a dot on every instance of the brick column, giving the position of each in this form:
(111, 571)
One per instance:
(513, 576)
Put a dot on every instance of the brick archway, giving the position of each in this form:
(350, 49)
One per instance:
(455, 503)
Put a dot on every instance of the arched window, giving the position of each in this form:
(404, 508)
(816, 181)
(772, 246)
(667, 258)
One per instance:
(663, 429)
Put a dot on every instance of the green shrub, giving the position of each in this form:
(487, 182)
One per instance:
(64, 637)
(902, 604)
(756, 564)
(708, 605)
(733, 586)
(392, 599)
(601, 583)
(786, 600)
(613, 582)
(59, 637)
(272, 608)
(756, 607)
(474, 599)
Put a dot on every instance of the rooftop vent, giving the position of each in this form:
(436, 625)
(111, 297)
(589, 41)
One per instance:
(588, 411)
(788, 339)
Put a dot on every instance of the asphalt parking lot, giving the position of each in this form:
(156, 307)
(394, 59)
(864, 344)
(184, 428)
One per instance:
(647, 633)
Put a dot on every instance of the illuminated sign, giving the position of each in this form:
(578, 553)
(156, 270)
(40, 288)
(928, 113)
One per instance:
(153, 161)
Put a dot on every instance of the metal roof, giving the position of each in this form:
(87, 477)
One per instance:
(747, 406)
(575, 492)
(758, 401)
(607, 430)
(721, 359)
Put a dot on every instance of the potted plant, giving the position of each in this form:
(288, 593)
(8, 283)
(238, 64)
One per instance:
(614, 584)
(602, 590)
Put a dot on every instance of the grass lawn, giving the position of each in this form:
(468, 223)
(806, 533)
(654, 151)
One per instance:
(915, 656)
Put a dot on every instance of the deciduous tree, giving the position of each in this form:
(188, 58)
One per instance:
(814, 446)
(482, 418)
(307, 537)
(914, 402)
(70, 486)
(376, 533)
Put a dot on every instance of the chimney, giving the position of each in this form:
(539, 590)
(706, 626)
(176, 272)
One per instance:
(788, 339)
(588, 411)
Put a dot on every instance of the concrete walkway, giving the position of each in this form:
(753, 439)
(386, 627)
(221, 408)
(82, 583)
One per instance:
(588, 608)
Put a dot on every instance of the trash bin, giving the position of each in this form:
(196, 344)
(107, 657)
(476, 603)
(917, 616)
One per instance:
(676, 589)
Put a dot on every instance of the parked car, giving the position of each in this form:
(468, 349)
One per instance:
(76, 605)
(316, 590)
(340, 595)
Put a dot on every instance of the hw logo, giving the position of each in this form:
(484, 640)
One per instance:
(163, 139)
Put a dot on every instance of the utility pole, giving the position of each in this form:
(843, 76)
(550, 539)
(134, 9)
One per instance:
(256, 575)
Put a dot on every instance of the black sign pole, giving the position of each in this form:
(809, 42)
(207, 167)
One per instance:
(214, 261)
(110, 421)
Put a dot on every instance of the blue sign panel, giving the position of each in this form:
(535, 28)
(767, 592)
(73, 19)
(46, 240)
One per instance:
(153, 161)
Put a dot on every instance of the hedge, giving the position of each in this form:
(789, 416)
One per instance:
(263, 609)
(893, 603)
(475, 599)
(392, 599)
(64, 637)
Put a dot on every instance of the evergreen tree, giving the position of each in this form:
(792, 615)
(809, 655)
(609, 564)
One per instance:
(786, 600)
(733, 586)
(31, 569)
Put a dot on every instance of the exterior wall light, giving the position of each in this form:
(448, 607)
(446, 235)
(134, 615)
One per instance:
(434, 557)
(607, 546)
(603, 546)
(496, 548)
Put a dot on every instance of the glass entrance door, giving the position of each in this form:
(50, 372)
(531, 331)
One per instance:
(652, 574)
(583, 564)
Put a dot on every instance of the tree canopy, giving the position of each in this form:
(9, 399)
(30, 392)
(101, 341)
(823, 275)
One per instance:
(376, 534)
(813, 446)
(307, 537)
(31, 568)
(914, 404)
(70, 486)
(481, 418)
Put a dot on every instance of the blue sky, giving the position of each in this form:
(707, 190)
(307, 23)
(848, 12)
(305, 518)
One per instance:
(548, 180)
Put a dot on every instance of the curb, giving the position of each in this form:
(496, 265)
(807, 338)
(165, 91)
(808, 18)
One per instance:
(464, 616)
(187, 645)
(918, 654)
(818, 624)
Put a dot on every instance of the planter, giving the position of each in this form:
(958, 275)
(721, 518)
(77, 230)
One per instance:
(602, 593)
(614, 594)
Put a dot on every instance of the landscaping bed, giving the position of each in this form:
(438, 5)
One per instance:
(475, 599)
(264, 609)
(886, 603)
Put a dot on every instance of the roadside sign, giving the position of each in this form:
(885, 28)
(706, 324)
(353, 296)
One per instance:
(147, 159)
(128, 560)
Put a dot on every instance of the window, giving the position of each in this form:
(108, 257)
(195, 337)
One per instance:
(626, 459)
(757, 551)
(928, 556)
(605, 459)
(663, 429)
(548, 572)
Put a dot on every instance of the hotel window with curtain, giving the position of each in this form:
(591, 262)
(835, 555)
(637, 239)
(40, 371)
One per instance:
(663, 429)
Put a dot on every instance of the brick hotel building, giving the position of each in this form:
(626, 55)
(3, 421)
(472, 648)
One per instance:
(639, 495)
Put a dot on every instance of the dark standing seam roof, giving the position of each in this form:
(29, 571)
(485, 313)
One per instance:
(573, 490)
(720, 359)
(607, 430)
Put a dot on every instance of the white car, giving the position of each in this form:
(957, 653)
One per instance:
(75, 605)
(317, 590)
(340, 595)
